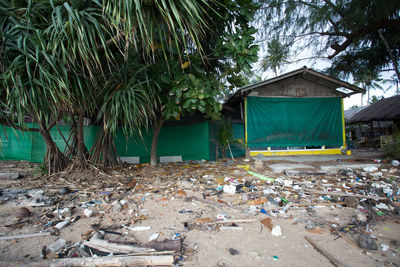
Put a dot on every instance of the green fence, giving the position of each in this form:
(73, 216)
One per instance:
(192, 142)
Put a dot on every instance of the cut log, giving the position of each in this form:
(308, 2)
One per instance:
(9, 176)
(10, 237)
(100, 261)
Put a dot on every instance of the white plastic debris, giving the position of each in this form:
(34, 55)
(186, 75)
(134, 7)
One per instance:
(138, 228)
(64, 223)
(122, 202)
(388, 191)
(287, 183)
(395, 163)
(154, 236)
(370, 169)
(88, 212)
(382, 206)
(268, 191)
(384, 247)
(57, 245)
(377, 174)
(276, 231)
(229, 189)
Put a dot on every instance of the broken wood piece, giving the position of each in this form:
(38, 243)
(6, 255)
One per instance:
(105, 246)
(231, 228)
(7, 176)
(99, 261)
(174, 245)
(342, 194)
(234, 221)
(324, 253)
(24, 236)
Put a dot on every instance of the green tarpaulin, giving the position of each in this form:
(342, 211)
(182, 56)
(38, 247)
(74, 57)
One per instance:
(189, 141)
(294, 122)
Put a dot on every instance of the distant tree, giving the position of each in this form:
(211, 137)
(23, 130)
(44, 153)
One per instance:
(368, 80)
(347, 32)
(375, 98)
(276, 57)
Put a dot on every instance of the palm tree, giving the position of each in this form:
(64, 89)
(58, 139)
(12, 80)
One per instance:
(63, 58)
(277, 54)
(368, 80)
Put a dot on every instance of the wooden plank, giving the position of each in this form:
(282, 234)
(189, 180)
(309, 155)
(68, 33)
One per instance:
(24, 236)
(8, 176)
(324, 253)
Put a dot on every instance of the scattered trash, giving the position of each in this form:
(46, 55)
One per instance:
(276, 231)
(230, 189)
(64, 223)
(56, 246)
(366, 242)
(185, 211)
(395, 163)
(211, 194)
(370, 169)
(138, 228)
(154, 236)
(261, 177)
(88, 212)
(384, 247)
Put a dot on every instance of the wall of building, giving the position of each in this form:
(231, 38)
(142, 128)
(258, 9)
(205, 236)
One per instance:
(294, 87)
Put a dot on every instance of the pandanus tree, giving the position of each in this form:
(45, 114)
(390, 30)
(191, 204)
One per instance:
(63, 58)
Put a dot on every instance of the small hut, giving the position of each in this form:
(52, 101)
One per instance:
(300, 112)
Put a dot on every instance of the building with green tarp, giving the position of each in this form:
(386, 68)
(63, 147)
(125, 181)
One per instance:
(300, 112)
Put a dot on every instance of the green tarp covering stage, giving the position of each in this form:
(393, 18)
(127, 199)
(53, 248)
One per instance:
(294, 122)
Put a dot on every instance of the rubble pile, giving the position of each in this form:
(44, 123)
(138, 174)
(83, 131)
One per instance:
(142, 215)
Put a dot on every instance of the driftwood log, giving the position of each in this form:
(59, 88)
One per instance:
(99, 261)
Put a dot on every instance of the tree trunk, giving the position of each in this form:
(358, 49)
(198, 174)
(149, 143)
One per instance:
(394, 62)
(104, 151)
(73, 137)
(54, 160)
(81, 148)
(157, 124)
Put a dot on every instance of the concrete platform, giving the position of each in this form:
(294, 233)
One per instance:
(327, 163)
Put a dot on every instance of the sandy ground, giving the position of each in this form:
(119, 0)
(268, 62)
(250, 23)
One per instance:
(160, 195)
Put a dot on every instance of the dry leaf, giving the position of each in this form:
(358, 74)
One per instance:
(267, 222)
(315, 230)
(181, 193)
